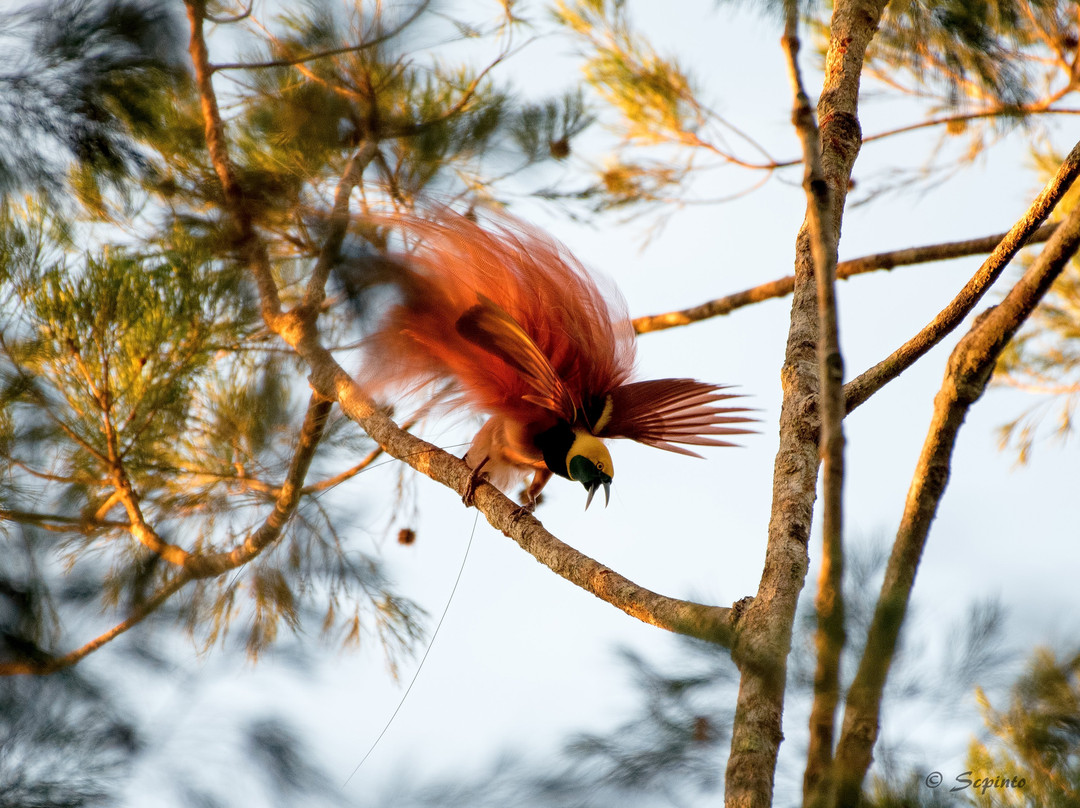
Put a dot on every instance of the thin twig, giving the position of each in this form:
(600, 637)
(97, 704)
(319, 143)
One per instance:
(324, 54)
(945, 120)
(58, 523)
(234, 18)
(251, 247)
(782, 287)
(330, 252)
(869, 382)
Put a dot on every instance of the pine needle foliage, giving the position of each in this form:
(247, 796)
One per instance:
(1036, 738)
(146, 416)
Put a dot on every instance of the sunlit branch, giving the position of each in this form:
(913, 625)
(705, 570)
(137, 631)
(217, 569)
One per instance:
(263, 487)
(349, 473)
(251, 246)
(829, 603)
(287, 499)
(41, 475)
(333, 86)
(844, 270)
(39, 667)
(866, 384)
(967, 374)
(140, 529)
(1052, 43)
(97, 395)
(771, 162)
(198, 477)
(945, 120)
(692, 139)
(298, 329)
(713, 623)
(125, 492)
(1038, 388)
(60, 524)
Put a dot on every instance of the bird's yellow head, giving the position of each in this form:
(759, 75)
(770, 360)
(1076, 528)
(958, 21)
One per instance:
(589, 462)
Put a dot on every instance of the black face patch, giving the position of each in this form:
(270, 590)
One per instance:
(555, 445)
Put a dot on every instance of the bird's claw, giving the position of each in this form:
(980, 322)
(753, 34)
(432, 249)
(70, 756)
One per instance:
(526, 508)
(468, 497)
(521, 512)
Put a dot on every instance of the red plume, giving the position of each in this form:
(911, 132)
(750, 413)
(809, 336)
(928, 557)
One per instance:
(511, 317)
(519, 276)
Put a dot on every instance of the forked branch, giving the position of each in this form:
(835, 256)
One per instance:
(967, 374)
(765, 629)
(869, 382)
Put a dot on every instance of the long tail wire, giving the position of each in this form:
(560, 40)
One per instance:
(423, 659)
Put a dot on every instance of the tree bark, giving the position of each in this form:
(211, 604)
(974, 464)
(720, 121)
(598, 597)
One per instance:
(763, 640)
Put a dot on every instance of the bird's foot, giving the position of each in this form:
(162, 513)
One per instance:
(468, 497)
(528, 501)
(521, 512)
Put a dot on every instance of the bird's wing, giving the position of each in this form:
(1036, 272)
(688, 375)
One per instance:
(490, 327)
(663, 412)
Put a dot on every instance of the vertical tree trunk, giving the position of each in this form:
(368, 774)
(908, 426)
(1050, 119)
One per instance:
(764, 638)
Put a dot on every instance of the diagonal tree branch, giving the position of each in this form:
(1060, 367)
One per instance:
(297, 327)
(42, 667)
(829, 603)
(58, 523)
(869, 382)
(712, 623)
(140, 529)
(252, 249)
(844, 270)
(967, 374)
(1040, 108)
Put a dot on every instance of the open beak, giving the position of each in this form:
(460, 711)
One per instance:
(593, 488)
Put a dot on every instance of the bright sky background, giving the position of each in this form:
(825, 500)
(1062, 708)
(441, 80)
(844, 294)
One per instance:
(525, 658)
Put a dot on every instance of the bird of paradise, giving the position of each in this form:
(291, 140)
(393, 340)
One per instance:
(516, 324)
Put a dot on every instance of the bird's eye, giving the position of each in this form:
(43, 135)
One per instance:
(600, 466)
